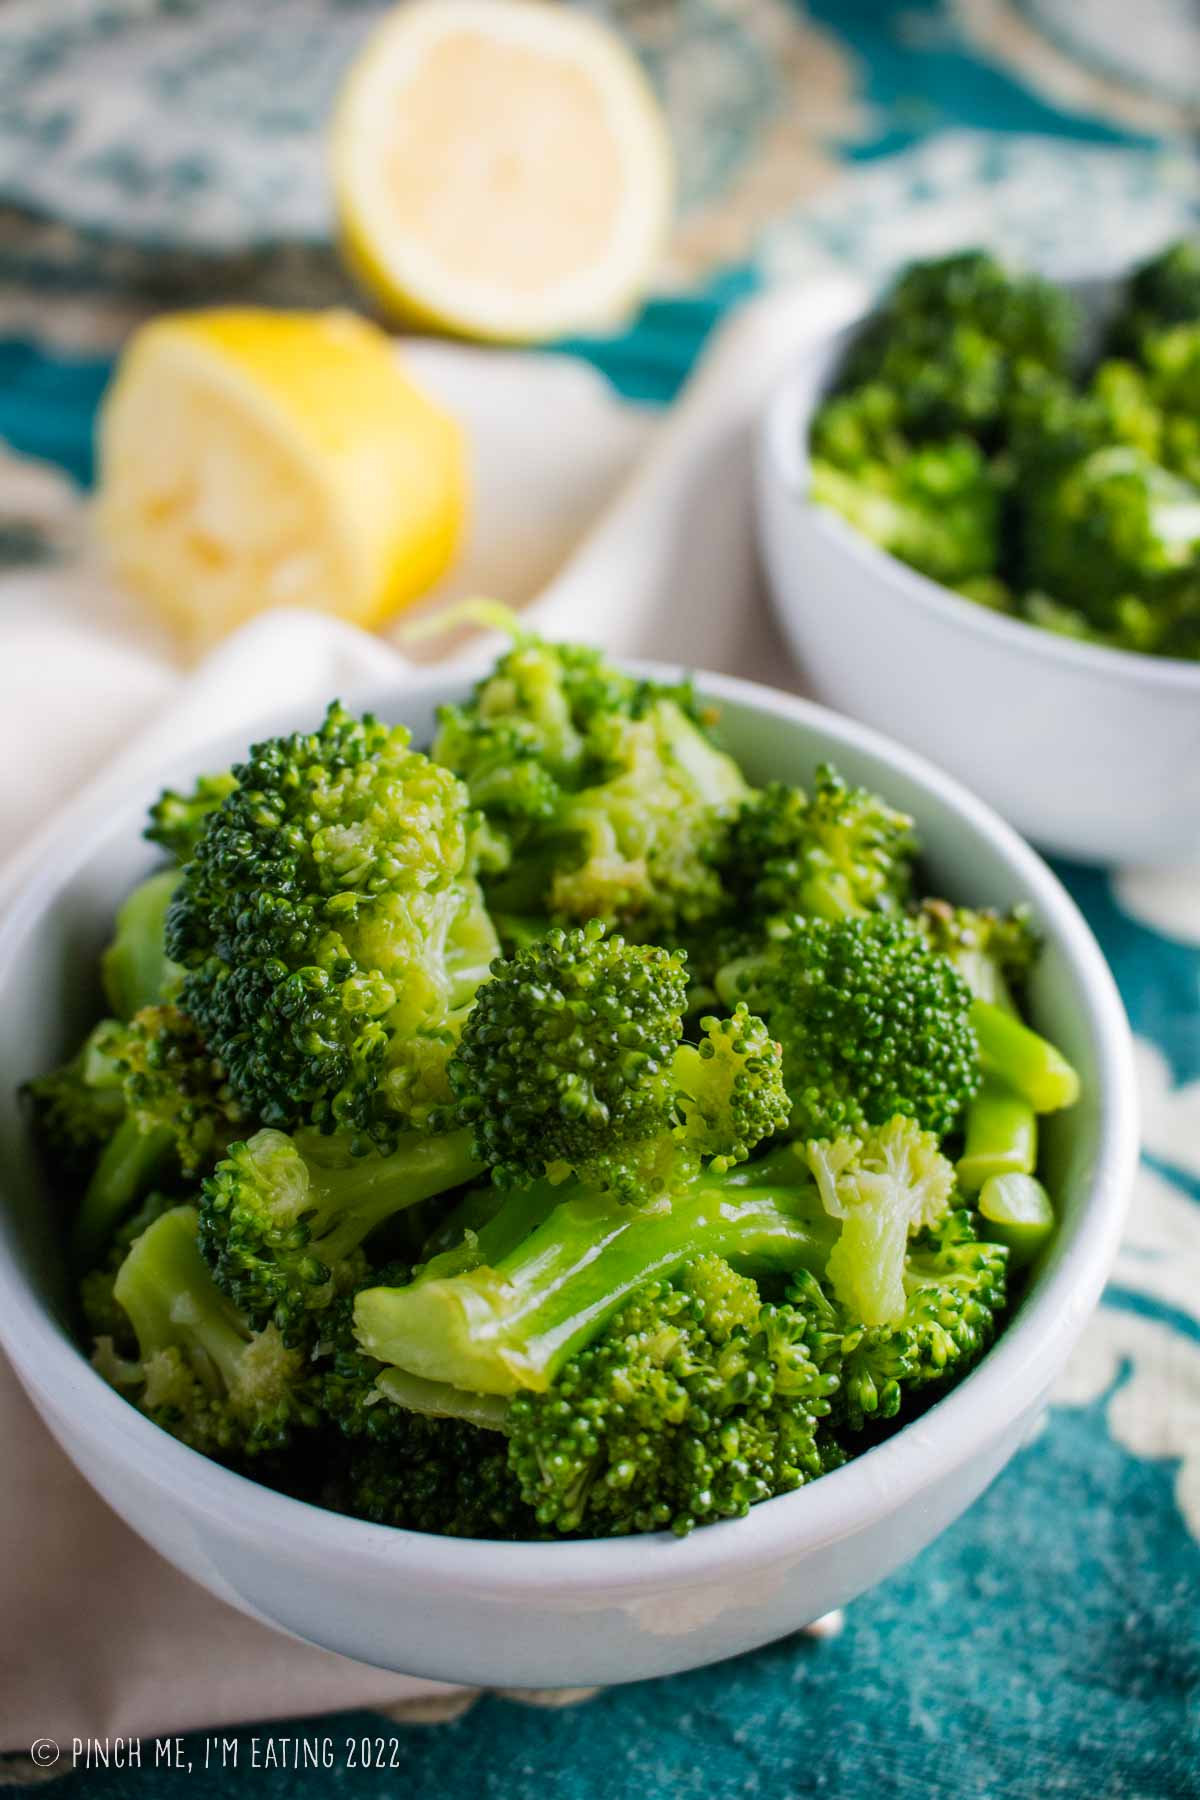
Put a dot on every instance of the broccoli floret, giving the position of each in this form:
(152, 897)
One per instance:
(177, 1116)
(603, 792)
(512, 1323)
(200, 1371)
(1109, 532)
(696, 1402)
(994, 952)
(332, 930)
(954, 1292)
(872, 1021)
(1165, 291)
(572, 1062)
(883, 1189)
(936, 506)
(176, 820)
(135, 968)
(835, 854)
(956, 337)
(637, 848)
(76, 1108)
(283, 1219)
(442, 1476)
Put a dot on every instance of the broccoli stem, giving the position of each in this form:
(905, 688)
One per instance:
(1001, 1137)
(1019, 1214)
(135, 968)
(485, 1233)
(512, 1325)
(357, 1196)
(128, 1167)
(438, 1401)
(1014, 1054)
(172, 1301)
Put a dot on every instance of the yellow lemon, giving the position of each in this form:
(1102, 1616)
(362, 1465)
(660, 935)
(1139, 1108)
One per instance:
(251, 459)
(501, 169)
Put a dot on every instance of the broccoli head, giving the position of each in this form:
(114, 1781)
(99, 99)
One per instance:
(1109, 533)
(834, 854)
(572, 1062)
(439, 1475)
(935, 506)
(603, 793)
(200, 1371)
(283, 1219)
(954, 1294)
(696, 1402)
(331, 929)
(872, 1020)
(1165, 291)
(954, 339)
(176, 820)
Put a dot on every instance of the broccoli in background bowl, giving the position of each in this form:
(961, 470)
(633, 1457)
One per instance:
(983, 430)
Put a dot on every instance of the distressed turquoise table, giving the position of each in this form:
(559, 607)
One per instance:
(1049, 1644)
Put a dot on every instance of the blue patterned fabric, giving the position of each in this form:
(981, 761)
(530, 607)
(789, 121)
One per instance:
(1049, 1644)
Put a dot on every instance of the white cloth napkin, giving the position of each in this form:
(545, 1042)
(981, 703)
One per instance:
(100, 1636)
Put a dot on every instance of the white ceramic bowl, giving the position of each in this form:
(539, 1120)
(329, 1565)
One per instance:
(570, 1613)
(1093, 753)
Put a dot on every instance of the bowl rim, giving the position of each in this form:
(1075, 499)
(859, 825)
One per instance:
(1012, 1378)
(783, 451)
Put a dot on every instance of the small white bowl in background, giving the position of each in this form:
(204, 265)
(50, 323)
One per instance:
(568, 1614)
(1093, 753)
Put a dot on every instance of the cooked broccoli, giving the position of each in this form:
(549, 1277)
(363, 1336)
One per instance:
(1109, 531)
(1165, 291)
(177, 820)
(604, 793)
(697, 1402)
(441, 1476)
(873, 1022)
(621, 1230)
(135, 968)
(331, 929)
(283, 1219)
(953, 340)
(512, 1324)
(964, 436)
(571, 1062)
(840, 852)
(176, 1117)
(76, 1108)
(954, 1292)
(936, 506)
(199, 1370)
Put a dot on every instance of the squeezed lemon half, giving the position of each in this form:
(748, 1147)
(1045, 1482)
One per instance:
(251, 459)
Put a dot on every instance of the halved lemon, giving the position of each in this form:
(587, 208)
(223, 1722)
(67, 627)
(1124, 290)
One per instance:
(251, 459)
(501, 169)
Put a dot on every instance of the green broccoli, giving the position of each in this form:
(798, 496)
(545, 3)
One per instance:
(936, 506)
(77, 1107)
(1111, 530)
(135, 969)
(177, 820)
(604, 793)
(1165, 291)
(511, 1324)
(332, 931)
(200, 1371)
(954, 1293)
(176, 1117)
(872, 1021)
(572, 1062)
(696, 1402)
(283, 1219)
(955, 338)
(442, 1476)
(837, 853)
